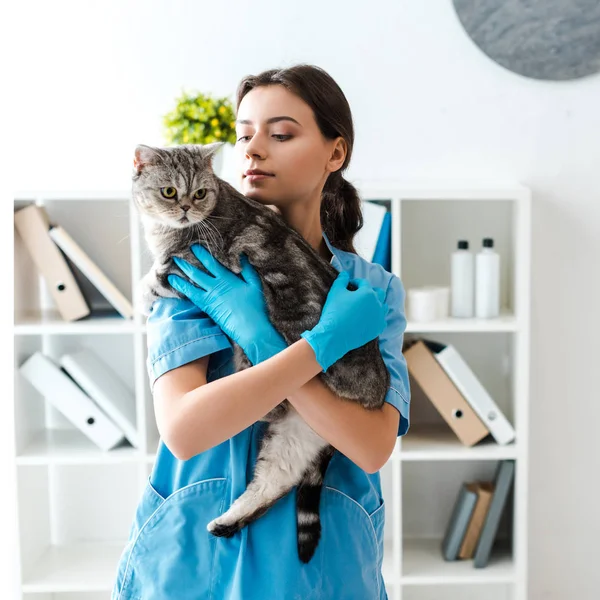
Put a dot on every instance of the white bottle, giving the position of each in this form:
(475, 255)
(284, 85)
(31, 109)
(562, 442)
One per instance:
(487, 276)
(462, 276)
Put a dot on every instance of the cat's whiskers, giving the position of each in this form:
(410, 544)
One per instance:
(209, 225)
(209, 236)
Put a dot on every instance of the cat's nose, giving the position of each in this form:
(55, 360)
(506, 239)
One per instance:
(185, 207)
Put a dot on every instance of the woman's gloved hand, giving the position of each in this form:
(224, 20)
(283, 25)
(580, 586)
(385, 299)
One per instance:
(349, 319)
(236, 305)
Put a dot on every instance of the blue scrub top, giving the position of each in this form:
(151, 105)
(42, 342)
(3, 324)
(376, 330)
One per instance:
(171, 555)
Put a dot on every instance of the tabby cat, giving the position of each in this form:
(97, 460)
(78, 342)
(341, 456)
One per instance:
(181, 202)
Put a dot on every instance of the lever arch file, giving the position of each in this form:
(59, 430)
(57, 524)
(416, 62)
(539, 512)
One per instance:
(366, 239)
(475, 394)
(440, 390)
(64, 394)
(91, 270)
(33, 226)
(101, 384)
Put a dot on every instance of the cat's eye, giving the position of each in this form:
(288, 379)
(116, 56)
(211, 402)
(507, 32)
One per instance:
(200, 194)
(168, 192)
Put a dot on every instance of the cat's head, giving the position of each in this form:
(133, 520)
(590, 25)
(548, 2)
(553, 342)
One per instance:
(175, 186)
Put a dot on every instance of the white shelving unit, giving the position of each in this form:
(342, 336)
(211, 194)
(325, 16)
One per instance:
(429, 464)
(76, 502)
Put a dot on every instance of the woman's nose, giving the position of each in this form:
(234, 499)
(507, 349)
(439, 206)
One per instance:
(254, 148)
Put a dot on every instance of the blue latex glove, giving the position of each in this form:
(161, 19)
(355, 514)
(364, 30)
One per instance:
(349, 319)
(236, 305)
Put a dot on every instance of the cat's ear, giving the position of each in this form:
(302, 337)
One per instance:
(209, 150)
(144, 156)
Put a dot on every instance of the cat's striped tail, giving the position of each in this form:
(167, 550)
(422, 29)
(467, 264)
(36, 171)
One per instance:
(308, 498)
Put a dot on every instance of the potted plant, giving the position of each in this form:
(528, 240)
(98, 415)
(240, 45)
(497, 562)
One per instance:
(200, 118)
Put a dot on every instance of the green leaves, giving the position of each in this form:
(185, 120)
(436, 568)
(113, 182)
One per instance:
(200, 119)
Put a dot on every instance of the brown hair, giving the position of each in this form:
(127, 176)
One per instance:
(341, 215)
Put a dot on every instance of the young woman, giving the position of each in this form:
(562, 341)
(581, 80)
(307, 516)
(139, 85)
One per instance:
(295, 138)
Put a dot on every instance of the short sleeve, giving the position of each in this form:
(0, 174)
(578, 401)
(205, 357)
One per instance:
(178, 332)
(390, 345)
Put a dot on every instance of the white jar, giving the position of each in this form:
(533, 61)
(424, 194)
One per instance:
(487, 276)
(422, 304)
(462, 281)
(427, 303)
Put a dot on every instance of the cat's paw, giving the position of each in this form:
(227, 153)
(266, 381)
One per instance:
(221, 528)
(145, 299)
(147, 292)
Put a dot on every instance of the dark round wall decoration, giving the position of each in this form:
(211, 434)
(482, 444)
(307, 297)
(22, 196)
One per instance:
(543, 39)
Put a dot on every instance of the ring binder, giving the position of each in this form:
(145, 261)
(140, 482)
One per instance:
(440, 390)
(106, 287)
(105, 388)
(33, 226)
(64, 394)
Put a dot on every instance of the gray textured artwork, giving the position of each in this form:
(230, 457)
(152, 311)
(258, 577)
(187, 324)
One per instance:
(542, 39)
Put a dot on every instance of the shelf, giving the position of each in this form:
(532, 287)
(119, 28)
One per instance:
(437, 443)
(50, 321)
(505, 322)
(440, 443)
(423, 564)
(30, 195)
(450, 190)
(91, 567)
(46, 322)
(82, 567)
(65, 447)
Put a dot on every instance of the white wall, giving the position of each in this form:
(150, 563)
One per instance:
(91, 80)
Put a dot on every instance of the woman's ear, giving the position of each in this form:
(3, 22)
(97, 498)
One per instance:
(339, 149)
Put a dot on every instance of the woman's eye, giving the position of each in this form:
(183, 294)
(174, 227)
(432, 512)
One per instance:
(278, 137)
(200, 194)
(168, 192)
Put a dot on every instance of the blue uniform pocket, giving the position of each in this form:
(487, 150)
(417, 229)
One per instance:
(148, 503)
(377, 519)
(170, 552)
(353, 547)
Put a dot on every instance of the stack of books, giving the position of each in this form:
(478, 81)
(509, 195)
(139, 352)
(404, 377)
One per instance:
(51, 248)
(455, 391)
(88, 393)
(473, 525)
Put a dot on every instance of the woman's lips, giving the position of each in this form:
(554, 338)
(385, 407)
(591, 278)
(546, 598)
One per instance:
(253, 178)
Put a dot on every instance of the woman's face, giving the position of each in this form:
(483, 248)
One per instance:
(277, 133)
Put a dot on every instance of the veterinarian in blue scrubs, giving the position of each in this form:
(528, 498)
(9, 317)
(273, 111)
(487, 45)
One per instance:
(295, 125)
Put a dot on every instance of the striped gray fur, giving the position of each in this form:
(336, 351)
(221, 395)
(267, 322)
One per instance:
(295, 282)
